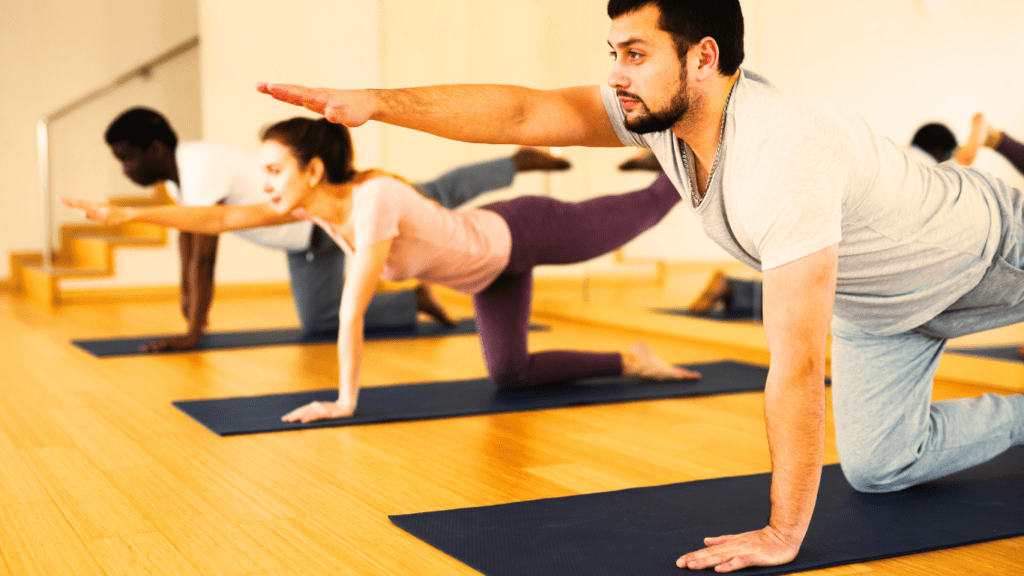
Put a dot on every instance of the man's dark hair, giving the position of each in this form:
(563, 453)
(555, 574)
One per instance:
(140, 127)
(690, 21)
(936, 139)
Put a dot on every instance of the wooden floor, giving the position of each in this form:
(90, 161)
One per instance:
(99, 474)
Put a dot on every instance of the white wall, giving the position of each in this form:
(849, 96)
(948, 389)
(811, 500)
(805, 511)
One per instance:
(52, 52)
(889, 60)
(312, 42)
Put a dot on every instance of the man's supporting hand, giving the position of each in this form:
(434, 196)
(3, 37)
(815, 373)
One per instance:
(765, 547)
(349, 107)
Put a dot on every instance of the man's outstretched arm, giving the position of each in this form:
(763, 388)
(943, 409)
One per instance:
(482, 113)
(798, 299)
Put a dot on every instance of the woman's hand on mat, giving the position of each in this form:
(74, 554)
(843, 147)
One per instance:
(765, 547)
(99, 211)
(186, 342)
(349, 107)
(319, 411)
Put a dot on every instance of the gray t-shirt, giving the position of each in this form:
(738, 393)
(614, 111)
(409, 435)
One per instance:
(796, 176)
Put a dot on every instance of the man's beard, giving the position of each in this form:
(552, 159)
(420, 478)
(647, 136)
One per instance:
(664, 119)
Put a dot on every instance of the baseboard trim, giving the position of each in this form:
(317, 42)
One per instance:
(167, 292)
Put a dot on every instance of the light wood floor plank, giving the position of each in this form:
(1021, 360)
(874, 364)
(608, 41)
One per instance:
(99, 474)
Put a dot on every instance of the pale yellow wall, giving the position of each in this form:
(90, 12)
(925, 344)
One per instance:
(890, 60)
(52, 52)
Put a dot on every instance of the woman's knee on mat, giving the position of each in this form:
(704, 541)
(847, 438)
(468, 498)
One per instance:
(506, 372)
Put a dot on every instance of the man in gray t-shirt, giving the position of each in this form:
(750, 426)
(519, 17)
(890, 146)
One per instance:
(835, 216)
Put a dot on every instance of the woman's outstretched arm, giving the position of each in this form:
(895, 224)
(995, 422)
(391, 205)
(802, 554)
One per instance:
(200, 219)
(363, 271)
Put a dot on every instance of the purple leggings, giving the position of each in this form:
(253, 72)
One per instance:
(549, 231)
(1012, 151)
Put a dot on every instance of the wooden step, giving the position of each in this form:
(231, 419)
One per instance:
(86, 251)
(40, 284)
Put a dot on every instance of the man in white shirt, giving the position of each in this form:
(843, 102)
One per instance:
(833, 214)
(206, 173)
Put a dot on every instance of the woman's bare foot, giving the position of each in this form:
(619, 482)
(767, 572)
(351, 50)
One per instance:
(427, 303)
(645, 161)
(716, 291)
(526, 159)
(981, 135)
(640, 361)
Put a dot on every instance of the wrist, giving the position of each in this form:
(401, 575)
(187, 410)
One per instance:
(792, 534)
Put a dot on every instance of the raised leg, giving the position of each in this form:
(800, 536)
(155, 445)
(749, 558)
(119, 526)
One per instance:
(549, 231)
(456, 187)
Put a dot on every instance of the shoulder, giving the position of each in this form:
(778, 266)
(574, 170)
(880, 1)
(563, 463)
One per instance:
(212, 156)
(384, 188)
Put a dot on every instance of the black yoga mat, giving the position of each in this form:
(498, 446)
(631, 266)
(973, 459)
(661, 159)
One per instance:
(644, 530)
(997, 352)
(251, 414)
(720, 314)
(103, 348)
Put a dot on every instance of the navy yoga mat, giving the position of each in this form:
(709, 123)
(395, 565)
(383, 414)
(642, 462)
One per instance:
(280, 337)
(1010, 353)
(251, 414)
(644, 530)
(720, 314)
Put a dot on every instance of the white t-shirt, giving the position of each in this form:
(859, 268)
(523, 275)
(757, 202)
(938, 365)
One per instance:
(212, 173)
(797, 176)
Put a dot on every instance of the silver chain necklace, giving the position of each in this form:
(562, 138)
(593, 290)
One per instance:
(694, 196)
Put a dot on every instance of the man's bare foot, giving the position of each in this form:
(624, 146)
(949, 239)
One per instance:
(640, 361)
(526, 159)
(716, 291)
(427, 303)
(645, 161)
(981, 135)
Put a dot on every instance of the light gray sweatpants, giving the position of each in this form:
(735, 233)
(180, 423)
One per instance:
(318, 274)
(889, 433)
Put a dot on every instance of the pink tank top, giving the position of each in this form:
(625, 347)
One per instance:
(463, 250)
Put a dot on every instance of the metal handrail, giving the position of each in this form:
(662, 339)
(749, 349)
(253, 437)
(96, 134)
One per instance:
(43, 131)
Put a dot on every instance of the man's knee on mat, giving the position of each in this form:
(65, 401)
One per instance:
(871, 475)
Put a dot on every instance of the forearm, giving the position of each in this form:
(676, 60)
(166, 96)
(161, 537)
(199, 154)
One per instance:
(350, 354)
(185, 255)
(491, 114)
(795, 419)
(200, 282)
(208, 220)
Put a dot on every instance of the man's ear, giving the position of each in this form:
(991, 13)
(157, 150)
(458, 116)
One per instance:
(157, 149)
(707, 57)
